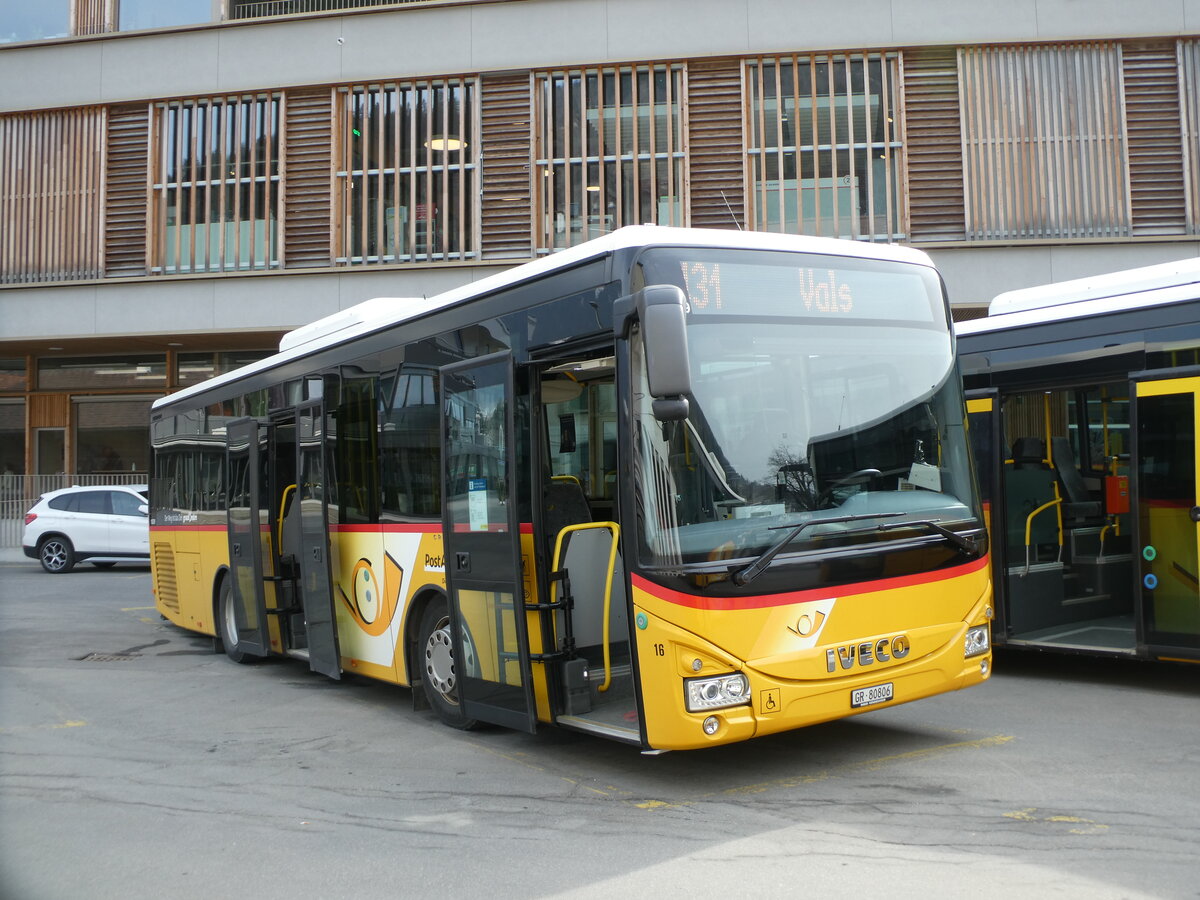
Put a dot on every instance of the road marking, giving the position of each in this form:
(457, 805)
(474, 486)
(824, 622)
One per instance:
(19, 729)
(1082, 826)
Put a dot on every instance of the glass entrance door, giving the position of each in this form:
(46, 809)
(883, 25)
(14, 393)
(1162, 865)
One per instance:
(1168, 509)
(247, 522)
(482, 534)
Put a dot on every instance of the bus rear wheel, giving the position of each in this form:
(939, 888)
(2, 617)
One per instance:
(439, 673)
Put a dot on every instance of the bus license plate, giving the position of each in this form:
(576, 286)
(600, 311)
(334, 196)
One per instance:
(869, 696)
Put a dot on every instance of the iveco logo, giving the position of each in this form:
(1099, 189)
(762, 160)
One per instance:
(867, 653)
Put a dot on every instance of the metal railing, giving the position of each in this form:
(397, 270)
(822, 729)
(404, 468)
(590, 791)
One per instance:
(19, 492)
(260, 8)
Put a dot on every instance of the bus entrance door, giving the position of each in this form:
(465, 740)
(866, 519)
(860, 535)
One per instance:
(1168, 510)
(482, 544)
(311, 544)
(246, 521)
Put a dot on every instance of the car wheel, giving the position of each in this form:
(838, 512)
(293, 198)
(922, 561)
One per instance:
(56, 555)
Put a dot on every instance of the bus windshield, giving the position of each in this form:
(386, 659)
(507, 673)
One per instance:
(824, 395)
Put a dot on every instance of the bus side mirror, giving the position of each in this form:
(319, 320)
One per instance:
(660, 309)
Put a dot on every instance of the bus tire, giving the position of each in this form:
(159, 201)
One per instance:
(56, 554)
(439, 676)
(227, 624)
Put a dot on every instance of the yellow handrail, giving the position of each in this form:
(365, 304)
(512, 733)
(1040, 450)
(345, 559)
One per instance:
(615, 530)
(282, 507)
(1029, 531)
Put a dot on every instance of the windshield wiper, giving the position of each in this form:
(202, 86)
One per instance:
(965, 544)
(756, 568)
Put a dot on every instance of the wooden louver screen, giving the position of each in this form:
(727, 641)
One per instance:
(1044, 141)
(610, 151)
(715, 141)
(50, 195)
(1152, 117)
(824, 148)
(125, 191)
(933, 141)
(93, 17)
(218, 184)
(407, 170)
(309, 167)
(507, 214)
(1189, 73)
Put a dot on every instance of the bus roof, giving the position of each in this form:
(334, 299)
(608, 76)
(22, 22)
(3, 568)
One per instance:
(1172, 282)
(383, 312)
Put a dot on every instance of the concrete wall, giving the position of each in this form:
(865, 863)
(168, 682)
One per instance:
(536, 33)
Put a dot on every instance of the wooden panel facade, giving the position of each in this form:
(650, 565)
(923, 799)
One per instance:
(507, 157)
(716, 139)
(308, 178)
(127, 179)
(1152, 122)
(933, 143)
(51, 189)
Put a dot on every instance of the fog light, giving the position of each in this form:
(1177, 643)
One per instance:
(711, 724)
(983, 667)
(977, 642)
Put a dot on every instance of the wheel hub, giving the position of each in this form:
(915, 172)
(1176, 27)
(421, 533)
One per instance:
(439, 660)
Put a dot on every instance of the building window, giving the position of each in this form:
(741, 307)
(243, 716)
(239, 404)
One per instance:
(138, 14)
(112, 436)
(217, 185)
(193, 368)
(610, 151)
(824, 147)
(84, 373)
(34, 21)
(1044, 142)
(408, 172)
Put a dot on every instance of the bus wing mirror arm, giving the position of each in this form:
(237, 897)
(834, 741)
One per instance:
(661, 310)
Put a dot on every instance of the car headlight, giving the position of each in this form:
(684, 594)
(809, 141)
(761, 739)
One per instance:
(977, 642)
(716, 692)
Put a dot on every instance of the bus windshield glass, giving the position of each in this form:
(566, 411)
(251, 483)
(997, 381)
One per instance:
(824, 395)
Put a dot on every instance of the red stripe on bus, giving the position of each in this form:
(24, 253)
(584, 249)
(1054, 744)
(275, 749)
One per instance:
(763, 601)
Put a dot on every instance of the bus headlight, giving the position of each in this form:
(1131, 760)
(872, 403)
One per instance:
(716, 692)
(978, 641)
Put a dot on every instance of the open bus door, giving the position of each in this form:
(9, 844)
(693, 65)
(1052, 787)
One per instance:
(312, 551)
(482, 544)
(1167, 416)
(987, 445)
(245, 528)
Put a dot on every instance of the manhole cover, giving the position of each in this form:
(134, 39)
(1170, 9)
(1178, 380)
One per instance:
(108, 657)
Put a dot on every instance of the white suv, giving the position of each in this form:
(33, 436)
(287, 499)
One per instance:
(104, 525)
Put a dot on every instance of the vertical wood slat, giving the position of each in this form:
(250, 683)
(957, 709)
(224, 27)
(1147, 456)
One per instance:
(506, 220)
(1153, 123)
(308, 161)
(51, 195)
(1188, 56)
(125, 179)
(716, 142)
(933, 145)
(1044, 145)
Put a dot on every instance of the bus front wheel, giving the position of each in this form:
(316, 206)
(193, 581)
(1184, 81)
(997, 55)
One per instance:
(439, 675)
(227, 625)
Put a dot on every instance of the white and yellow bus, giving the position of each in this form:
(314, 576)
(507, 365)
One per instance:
(1084, 409)
(677, 488)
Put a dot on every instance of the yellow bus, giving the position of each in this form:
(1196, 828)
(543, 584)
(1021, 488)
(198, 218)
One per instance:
(676, 488)
(1084, 409)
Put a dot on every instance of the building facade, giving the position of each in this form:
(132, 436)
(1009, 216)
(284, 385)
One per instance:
(182, 181)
